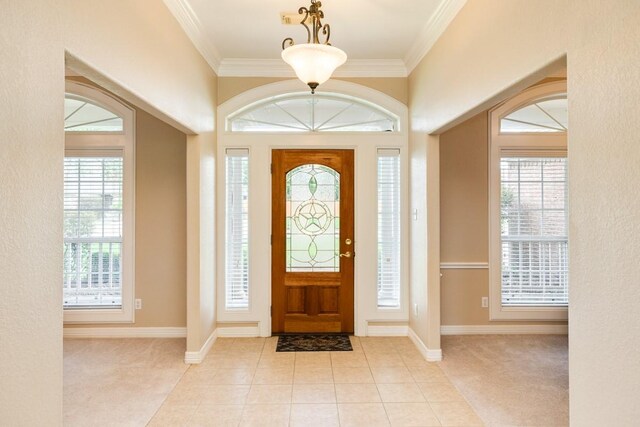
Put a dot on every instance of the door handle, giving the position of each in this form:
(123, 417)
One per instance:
(346, 255)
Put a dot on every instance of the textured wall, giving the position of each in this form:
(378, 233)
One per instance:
(141, 50)
(136, 46)
(31, 152)
(489, 48)
(604, 178)
(485, 57)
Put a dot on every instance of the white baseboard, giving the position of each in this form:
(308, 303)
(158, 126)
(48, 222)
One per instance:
(125, 332)
(431, 355)
(503, 329)
(195, 357)
(387, 331)
(238, 331)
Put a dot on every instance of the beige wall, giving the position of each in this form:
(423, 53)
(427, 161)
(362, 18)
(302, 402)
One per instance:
(604, 212)
(464, 223)
(135, 45)
(201, 239)
(483, 58)
(31, 175)
(161, 228)
(228, 87)
(137, 49)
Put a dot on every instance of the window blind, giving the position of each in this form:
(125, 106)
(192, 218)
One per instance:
(389, 228)
(237, 229)
(93, 219)
(533, 222)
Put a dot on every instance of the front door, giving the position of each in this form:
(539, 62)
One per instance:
(312, 248)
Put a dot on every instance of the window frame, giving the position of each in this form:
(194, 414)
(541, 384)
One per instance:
(526, 144)
(329, 95)
(394, 152)
(243, 153)
(87, 144)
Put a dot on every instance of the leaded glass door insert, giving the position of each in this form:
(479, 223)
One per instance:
(313, 219)
(312, 241)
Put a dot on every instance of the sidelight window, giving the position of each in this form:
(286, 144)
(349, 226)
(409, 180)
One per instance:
(389, 239)
(237, 229)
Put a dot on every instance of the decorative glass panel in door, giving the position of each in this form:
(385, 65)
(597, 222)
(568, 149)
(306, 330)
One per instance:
(312, 241)
(313, 219)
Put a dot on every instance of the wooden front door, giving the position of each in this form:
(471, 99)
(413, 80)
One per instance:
(312, 248)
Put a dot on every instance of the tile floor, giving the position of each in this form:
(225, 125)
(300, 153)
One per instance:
(384, 381)
(119, 382)
(243, 381)
(508, 380)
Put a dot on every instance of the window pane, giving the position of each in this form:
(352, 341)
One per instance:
(312, 219)
(93, 232)
(237, 230)
(82, 115)
(313, 113)
(388, 229)
(548, 115)
(534, 232)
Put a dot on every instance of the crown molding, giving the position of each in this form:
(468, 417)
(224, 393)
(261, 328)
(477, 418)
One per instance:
(239, 67)
(191, 25)
(431, 32)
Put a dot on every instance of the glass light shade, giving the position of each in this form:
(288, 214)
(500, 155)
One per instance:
(314, 63)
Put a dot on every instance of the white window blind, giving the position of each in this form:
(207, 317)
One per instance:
(93, 219)
(237, 229)
(533, 222)
(389, 228)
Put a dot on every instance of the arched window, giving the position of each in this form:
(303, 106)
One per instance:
(303, 112)
(528, 206)
(545, 114)
(84, 115)
(98, 207)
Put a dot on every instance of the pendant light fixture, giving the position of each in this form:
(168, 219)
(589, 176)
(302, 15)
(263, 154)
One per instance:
(313, 61)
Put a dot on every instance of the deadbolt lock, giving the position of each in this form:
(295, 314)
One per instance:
(347, 242)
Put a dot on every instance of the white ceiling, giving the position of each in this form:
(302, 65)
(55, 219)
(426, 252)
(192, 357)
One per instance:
(385, 31)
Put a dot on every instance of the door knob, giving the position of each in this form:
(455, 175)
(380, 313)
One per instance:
(346, 255)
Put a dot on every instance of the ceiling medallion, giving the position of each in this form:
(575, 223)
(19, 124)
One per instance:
(313, 61)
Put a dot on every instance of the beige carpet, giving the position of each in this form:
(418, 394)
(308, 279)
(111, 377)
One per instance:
(511, 380)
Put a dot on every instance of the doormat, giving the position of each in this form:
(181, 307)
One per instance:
(314, 342)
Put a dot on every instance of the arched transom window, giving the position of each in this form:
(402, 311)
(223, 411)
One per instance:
(303, 112)
(84, 115)
(548, 114)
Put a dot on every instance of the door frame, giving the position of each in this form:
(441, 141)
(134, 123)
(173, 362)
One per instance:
(346, 273)
(256, 320)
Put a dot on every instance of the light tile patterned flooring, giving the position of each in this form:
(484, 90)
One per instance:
(243, 381)
(384, 381)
